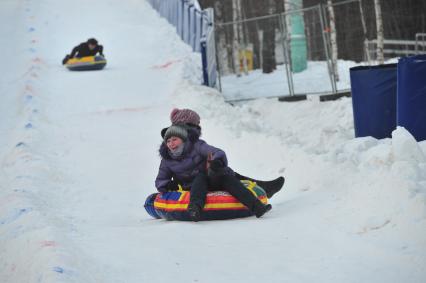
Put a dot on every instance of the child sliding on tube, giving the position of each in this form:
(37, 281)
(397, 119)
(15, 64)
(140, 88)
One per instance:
(191, 162)
(191, 120)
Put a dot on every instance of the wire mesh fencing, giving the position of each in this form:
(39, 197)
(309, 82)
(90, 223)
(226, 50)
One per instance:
(310, 50)
(286, 54)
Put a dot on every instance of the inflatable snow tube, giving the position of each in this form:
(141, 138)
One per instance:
(219, 205)
(149, 205)
(88, 63)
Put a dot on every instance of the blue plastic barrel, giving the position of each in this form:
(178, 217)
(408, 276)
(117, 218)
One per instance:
(411, 95)
(374, 100)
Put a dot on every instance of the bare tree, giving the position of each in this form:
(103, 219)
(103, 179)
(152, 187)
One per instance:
(379, 26)
(333, 38)
(364, 31)
(251, 8)
(242, 37)
(222, 52)
(268, 37)
(235, 40)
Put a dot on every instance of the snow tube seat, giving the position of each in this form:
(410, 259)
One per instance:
(88, 63)
(219, 205)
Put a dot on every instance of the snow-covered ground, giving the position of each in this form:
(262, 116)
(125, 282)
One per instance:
(78, 156)
(315, 79)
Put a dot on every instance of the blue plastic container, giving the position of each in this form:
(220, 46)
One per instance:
(374, 100)
(411, 95)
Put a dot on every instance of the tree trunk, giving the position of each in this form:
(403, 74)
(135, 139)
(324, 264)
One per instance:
(268, 48)
(235, 41)
(221, 40)
(242, 37)
(333, 39)
(364, 31)
(379, 26)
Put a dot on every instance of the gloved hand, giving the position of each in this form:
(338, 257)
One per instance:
(216, 164)
(65, 60)
(172, 186)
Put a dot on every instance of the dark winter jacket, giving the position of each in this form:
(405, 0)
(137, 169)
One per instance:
(192, 162)
(83, 50)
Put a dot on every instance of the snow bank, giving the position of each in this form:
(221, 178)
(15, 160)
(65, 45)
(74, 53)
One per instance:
(371, 189)
(315, 79)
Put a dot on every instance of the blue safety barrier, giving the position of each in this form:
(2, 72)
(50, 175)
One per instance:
(374, 100)
(411, 97)
(195, 27)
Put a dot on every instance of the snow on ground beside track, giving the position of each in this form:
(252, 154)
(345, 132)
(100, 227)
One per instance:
(79, 155)
(371, 191)
(315, 79)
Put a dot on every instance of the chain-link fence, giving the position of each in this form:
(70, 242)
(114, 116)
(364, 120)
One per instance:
(310, 50)
(274, 56)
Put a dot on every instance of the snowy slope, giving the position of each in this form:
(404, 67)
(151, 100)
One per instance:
(78, 157)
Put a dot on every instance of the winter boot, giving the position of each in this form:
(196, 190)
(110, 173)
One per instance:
(194, 212)
(270, 187)
(259, 208)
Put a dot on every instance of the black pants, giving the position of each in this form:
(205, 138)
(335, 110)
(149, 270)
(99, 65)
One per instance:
(203, 183)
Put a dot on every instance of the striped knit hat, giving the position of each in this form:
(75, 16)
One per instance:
(184, 116)
(176, 131)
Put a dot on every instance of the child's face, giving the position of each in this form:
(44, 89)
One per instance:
(173, 142)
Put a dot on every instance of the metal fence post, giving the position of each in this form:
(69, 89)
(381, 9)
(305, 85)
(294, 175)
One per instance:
(204, 59)
(219, 75)
(327, 48)
(194, 38)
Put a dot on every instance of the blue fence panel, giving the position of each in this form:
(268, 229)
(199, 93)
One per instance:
(185, 23)
(195, 27)
(208, 39)
(198, 27)
(192, 24)
(179, 13)
(208, 55)
(164, 8)
(171, 14)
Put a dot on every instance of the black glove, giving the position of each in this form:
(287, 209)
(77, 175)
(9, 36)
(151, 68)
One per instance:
(172, 186)
(216, 164)
(65, 60)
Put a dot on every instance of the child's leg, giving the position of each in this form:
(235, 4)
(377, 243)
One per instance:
(270, 187)
(238, 190)
(199, 190)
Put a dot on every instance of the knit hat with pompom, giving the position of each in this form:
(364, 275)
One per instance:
(184, 116)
